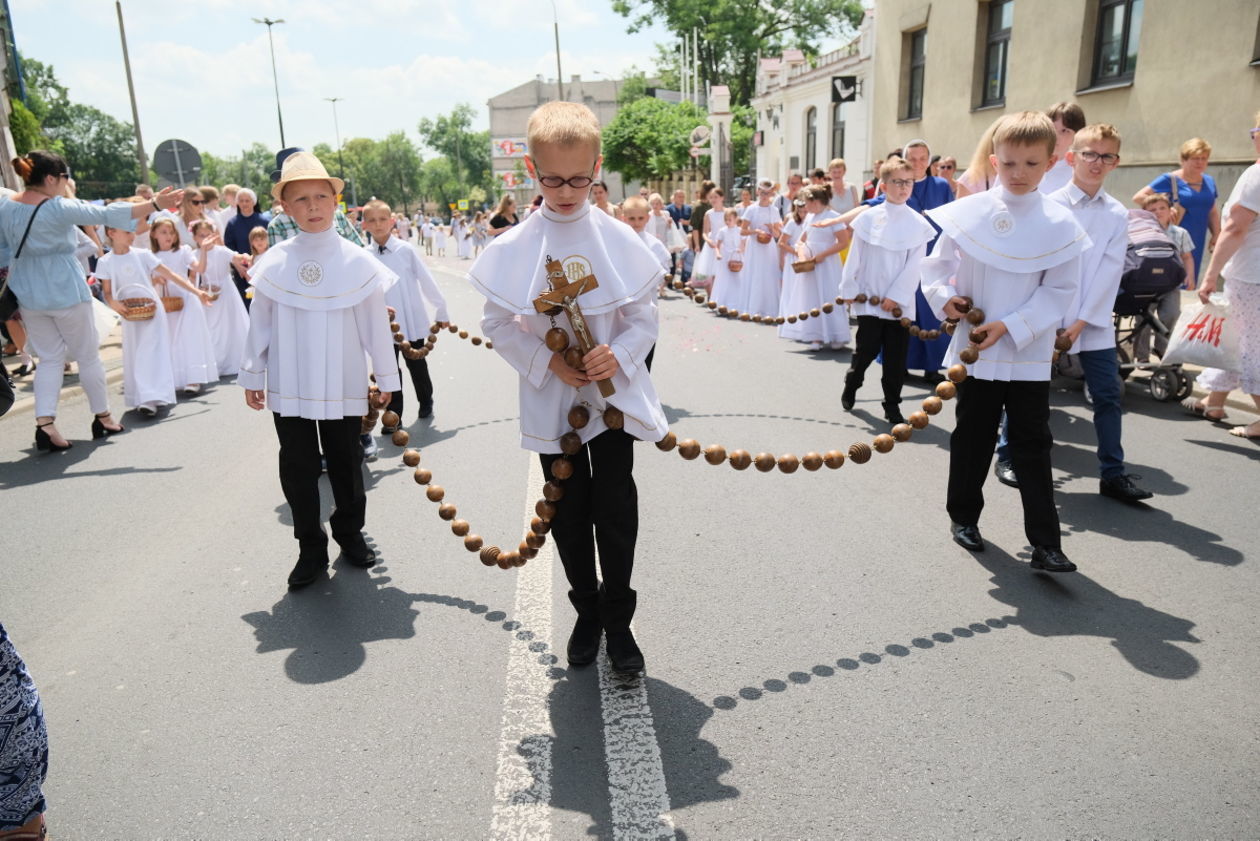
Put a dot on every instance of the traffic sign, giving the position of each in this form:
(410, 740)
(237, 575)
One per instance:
(700, 134)
(178, 162)
(697, 151)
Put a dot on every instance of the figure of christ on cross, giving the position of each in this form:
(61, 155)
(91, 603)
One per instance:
(564, 296)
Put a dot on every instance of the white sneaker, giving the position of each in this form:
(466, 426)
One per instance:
(192, 388)
(150, 409)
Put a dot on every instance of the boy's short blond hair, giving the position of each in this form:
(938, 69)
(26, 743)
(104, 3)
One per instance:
(892, 165)
(1152, 198)
(1095, 132)
(1026, 128)
(563, 124)
(634, 204)
(377, 204)
(1197, 147)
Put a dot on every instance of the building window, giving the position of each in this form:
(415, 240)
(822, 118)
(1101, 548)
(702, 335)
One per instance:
(997, 44)
(837, 130)
(914, 91)
(1116, 47)
(811, 138)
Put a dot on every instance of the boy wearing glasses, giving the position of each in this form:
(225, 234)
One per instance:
(1016, 256)
(888, 245)
(1088, 323)
(599, 503)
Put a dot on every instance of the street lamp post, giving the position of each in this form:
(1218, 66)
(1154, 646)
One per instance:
(555, 19)
(337, 128)
(274, 78)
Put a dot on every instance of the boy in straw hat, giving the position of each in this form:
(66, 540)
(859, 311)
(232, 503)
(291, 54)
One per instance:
(319, 314)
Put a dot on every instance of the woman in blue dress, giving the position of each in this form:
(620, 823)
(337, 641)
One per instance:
(23, 747)
(1196, 192)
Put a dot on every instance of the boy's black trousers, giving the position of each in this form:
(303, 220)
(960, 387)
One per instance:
(300, 442)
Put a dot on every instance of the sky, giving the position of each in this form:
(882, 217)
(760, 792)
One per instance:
(203, 74)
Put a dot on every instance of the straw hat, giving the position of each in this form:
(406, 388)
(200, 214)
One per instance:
(303, 166)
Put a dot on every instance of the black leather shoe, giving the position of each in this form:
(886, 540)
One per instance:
(584, 641)
(968, 537)
(357, 553)
(1005, 473)
(623, 652)
(1051, 560)
(308, 568)
(426, 410)
(894, 416)
(849, 396)
(1122, 488)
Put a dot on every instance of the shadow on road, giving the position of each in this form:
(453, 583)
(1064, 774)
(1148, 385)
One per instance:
(40, 467)
(1142, 523)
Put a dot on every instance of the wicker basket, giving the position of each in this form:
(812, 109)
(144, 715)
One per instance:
(735, 265)
(763, 238)
(172, 303)
(138, 309)
(803, 266)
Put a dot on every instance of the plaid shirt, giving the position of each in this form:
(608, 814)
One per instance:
(282, 227)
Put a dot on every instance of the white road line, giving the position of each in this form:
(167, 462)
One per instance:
(522, 785)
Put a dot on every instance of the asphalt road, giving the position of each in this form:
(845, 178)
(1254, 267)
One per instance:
(822, 661)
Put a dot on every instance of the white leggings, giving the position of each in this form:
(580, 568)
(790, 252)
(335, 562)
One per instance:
(54, 336)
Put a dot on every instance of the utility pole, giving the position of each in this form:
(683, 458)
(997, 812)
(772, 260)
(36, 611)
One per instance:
(274, 78)
(131, 88)
(337, 128)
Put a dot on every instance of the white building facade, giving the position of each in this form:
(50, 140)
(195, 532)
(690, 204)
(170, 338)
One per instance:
(798, 124)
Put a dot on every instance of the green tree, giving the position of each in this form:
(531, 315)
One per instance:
(28, 134)
(735, 33)
(650, 138)
(252, 169)
(438, 182)
(451, 136)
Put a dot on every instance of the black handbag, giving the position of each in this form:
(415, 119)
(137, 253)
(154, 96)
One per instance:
(8, 300)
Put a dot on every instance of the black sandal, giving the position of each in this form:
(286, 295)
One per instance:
(100, 430)
(44, 443)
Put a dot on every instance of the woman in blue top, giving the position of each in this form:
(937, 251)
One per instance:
(50, 286)
(236, 234)
(1196, 192)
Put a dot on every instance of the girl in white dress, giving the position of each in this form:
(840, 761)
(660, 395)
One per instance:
(793, 230)
(761, 225)
(729, 283)
(705, 267)
(462, 231)
(126, 272)
(812, 289)
(439, 239)
(227, 319)
(192, 350)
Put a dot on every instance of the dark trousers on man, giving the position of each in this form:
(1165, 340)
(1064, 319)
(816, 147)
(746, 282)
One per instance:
(873, 335)
(979, 411)
(300, 441)
(600, 508)
(420, 380)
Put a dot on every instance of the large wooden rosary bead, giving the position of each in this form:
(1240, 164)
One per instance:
(562, 468)
(778, 319)
(447, 511)
(399, 338)
(712, 305)
(740, 459)
(579, 416)
(715, 454)
(1062, 344)
(802, 316)
(553, 492)
(489, 555)
(743, 316)
(905, 323)
(422, 476)
(975, 315)
(435, 493)
(400, 437)
(811, 461)
(946, 390)
(931, 335)
(545, 509)
(411, 458)
(966, 304)
(764, 462)
(883, 443)
(860, 453)
(919, 420)
(828, 308)
(459, 527)
(949, 327)
(573, 358)
(788, 463)
(535, 540)
(874, 300)
(734, 313)
(969, 355)
(506, 560)
(538, 525)
(699, 299)
(406, 346)
(833, 459)
(526, 551)
(860, 298)
(902, 431)
(956, 373)
(570, 443)
(473, 542)
(463, 334)
(932, 405)
(667, 443)
(815, 312)
(434, 329)
(394, 326)
(722, 310)
(614, 418)
(452, 328)
(476, 340)
(976, 335)
(914, 330)
(689, 448)
(489, 345)
(791, 319)
(896, 312)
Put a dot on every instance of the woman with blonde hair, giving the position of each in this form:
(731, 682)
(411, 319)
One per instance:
(980, 174)
(504, 218)
(1194, 191)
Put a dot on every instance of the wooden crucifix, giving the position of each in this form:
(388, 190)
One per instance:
(563, 297)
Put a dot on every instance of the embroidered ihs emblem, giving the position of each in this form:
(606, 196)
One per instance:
(310, 273)
(577, 267)
(1003, 223)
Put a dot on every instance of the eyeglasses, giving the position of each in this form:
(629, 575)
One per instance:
(900, 182)
(577, 182)
(945, 166)
(1254, 132)
(1089, 156)
(196, 201)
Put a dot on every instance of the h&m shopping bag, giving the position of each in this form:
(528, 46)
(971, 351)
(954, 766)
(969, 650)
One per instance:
(1205, 336)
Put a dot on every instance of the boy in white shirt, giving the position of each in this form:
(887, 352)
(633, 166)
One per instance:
(318, 315)
(1015, 256)
(599, 502)
(1088, 322)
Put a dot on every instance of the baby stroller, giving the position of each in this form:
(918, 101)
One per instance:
(1152, 269)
